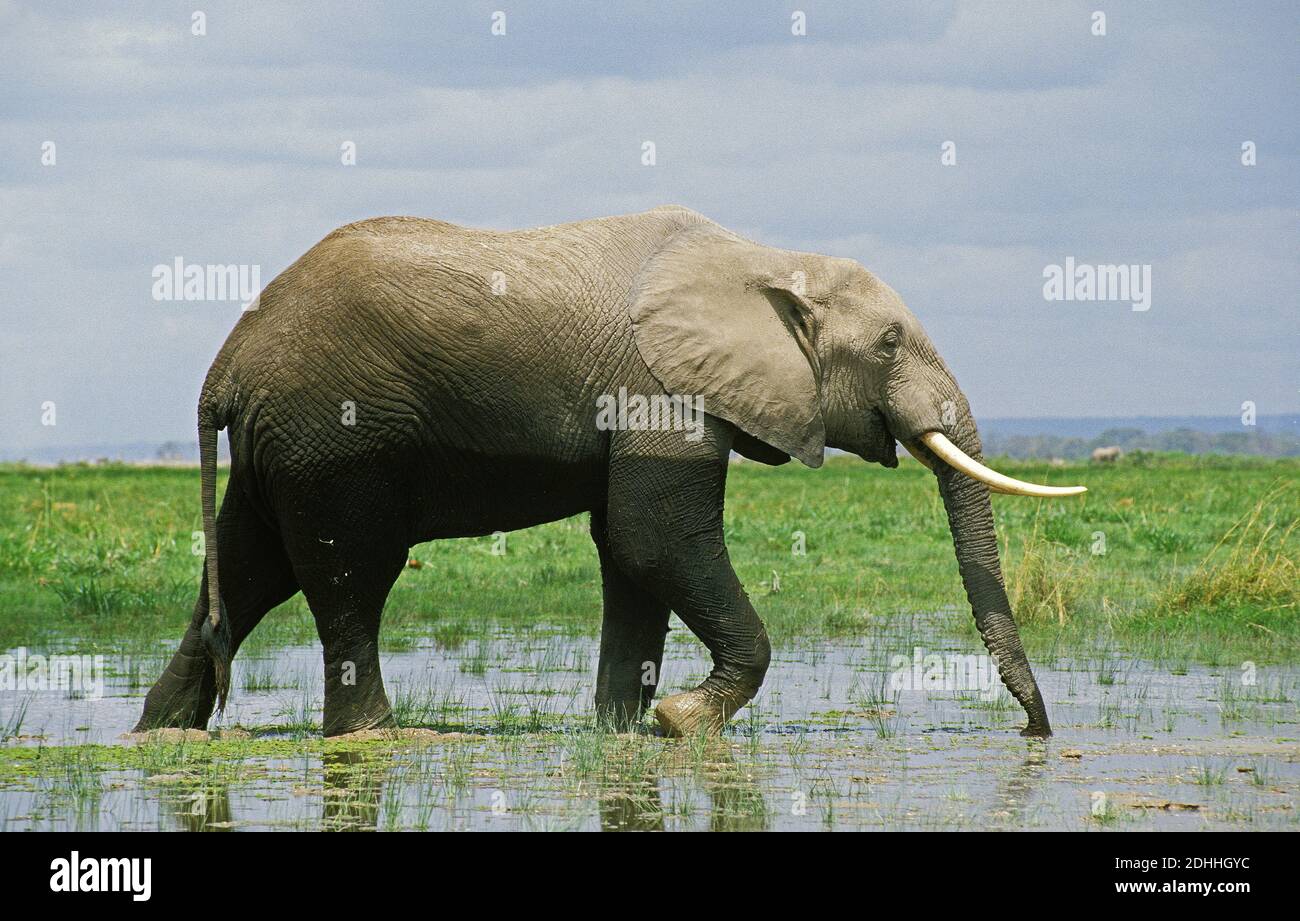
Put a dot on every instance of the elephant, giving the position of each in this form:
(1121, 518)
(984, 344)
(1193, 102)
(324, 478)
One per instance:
(408, 380)
(1107, 455)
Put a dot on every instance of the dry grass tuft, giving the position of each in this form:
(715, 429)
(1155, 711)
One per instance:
(1043, 581)
(1261, 568)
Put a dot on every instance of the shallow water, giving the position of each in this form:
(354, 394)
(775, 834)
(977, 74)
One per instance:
(831, 742)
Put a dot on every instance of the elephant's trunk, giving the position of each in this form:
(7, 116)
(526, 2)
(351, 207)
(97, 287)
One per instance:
(970, 517)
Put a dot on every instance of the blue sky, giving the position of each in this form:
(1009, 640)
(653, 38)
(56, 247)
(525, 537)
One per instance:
(225, 148)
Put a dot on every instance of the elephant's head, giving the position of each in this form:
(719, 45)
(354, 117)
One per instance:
(801, 352)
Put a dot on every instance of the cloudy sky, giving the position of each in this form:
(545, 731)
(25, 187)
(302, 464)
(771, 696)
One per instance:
(224, 148)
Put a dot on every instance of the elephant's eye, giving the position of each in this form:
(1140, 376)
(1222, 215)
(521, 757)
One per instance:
(889, 343)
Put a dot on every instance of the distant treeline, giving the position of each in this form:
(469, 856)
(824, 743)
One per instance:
(1189, 441)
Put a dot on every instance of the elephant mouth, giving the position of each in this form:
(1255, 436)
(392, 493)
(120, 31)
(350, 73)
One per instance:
(933, 447)
(882, 446)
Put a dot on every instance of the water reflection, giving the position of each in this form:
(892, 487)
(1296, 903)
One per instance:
(1016, 789)
(203, 808)
(734, 800)
(354, 783)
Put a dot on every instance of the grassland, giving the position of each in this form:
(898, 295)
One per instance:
(1140, 603)
(1173, 559)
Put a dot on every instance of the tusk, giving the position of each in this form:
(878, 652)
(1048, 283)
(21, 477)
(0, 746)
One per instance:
(956, 458)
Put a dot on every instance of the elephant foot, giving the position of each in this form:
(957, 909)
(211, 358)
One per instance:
(1037, 731)
(357, 707)
(359, 722)
(172, 704)
(355, 699)
(619, 716)
(181, 718)
(184, 695)
(701, 711)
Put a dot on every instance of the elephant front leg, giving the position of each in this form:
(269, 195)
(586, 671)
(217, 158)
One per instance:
(664, 526)
(631, 640)
(727, 624)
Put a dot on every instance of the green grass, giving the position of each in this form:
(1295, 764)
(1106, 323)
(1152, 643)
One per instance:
(1175, 559)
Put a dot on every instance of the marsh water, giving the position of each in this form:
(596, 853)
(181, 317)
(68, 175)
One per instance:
(890, 732)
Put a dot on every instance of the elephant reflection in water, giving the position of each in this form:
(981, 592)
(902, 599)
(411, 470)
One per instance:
(1016, 789)
(736, 803)
(354, 787)
(204, 809)
(351, 797)
(354, 781)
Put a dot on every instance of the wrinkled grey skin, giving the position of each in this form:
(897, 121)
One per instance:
(475, 411)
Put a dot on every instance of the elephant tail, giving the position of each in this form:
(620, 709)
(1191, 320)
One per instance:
(216, 628)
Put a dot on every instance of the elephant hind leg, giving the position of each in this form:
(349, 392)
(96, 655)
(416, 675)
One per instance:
(255, 577)
(346, 573)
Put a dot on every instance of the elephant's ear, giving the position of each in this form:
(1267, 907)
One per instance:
(723, 318)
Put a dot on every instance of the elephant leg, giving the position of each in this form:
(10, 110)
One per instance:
(346, 580)
(631, 640)
(255, 577)
(664, 525)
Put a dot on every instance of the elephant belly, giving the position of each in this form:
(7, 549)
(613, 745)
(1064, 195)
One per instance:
(468, 496)
(417, 480)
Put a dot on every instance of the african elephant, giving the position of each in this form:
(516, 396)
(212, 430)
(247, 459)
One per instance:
(1107, 455)
(409, 379)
